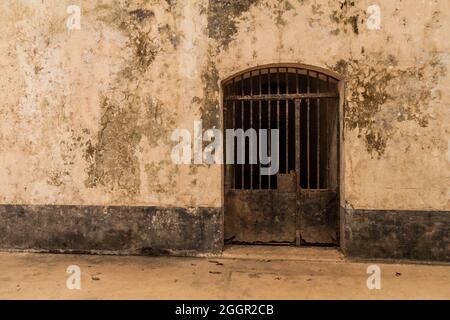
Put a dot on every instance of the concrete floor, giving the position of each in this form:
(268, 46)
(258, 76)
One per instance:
(241, 273)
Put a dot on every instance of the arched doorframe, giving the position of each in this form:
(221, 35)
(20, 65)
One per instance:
(340, 87)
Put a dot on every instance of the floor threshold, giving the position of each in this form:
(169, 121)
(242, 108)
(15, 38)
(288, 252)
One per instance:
(289, 253)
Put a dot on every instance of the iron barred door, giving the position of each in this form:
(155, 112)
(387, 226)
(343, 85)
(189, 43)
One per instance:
(299, 202)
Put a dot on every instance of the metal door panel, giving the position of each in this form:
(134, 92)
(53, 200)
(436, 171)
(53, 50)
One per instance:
(260, 216)
(318, 216)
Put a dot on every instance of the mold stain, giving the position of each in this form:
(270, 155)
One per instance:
(210, 105)
(174, 37)
(141, 14)
(138, 26)
(380, 93)
(317, 12)
(162, 184)
(139, 30)
(277, 10)
(345, 15)
(128, 111)
(56, 178)
(112, 159)
(223, 17)
(283, 7)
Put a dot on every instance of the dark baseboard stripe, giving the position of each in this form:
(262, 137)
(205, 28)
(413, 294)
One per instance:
(391, 234)
(366, 234)
(121, 229)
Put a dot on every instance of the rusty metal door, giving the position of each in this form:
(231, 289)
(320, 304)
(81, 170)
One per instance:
(299, 204)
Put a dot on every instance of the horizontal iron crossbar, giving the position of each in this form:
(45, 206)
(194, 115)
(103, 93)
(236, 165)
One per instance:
(291, 96)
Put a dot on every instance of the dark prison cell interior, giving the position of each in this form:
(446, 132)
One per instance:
(266, 99)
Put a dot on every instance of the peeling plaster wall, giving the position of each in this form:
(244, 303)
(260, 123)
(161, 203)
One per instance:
(87, 114)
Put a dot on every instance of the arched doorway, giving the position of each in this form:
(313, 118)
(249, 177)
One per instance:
(290, 115)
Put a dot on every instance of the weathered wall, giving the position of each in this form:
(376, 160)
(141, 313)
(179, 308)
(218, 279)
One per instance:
(86, 115)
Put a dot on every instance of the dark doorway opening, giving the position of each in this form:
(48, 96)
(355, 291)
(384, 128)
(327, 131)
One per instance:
(299, 203)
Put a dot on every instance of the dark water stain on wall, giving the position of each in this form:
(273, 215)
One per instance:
(283, 7)
(128, 113)
(278, 10)
(137, 25)
(112, 159)
(210, 104)
(345, 16)
(366, 93)
(222, 18)
(142, 14)
(146, 36)
(375, 82)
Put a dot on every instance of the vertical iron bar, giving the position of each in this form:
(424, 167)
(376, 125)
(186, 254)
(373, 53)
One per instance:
(259, 127)
(318, 132)
(251, 127)
(307, 131)
(234, 126)
(287, 123)
(297, 105)
(327, 159)
(297, 140)
(297, 148)
(278, 106)
(269, 124)
(243, 128)
(225, 125)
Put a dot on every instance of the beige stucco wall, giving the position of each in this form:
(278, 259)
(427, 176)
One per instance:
(86, 115)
